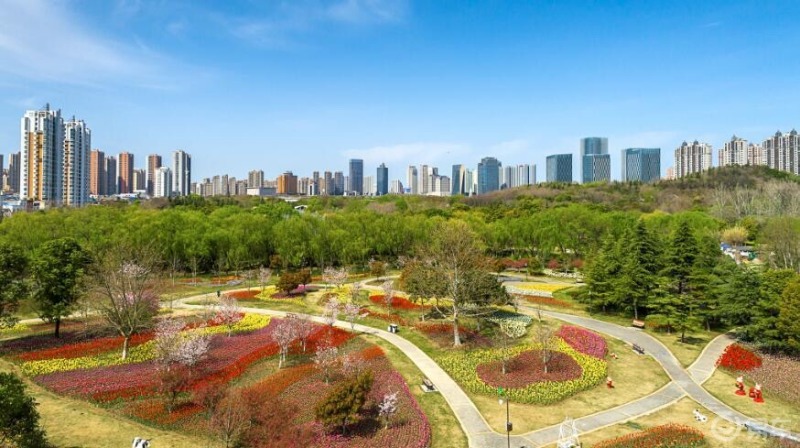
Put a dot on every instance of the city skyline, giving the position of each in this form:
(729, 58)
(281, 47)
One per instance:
(517, 89)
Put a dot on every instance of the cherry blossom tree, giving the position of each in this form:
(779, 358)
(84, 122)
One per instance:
(353, 364)
(284, 334)
(325, 359)
(228, 312)
(355, 292)
(127, 292)
(177, 354)
(388, 293)
(335, 277)
(331, 311)
(231, 418)
(352, 312)
(387, 408)
(304, 328)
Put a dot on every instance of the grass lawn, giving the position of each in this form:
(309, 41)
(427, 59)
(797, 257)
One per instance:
(719, 433)
(686, 352)
(76, 423)
(634, 377)
(774, 411)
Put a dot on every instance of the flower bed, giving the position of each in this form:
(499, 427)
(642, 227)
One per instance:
(779, 376)
(535, 289)
(546, 301)
(391, 318)
(82, 349)
(462, 366)
(442, 334)
(583, 340)
(738, 359)
(400, 303)
(528, 368)
(244, 295)
(664, 436)
(15, 330)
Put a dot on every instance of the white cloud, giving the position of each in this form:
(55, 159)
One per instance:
(47, 41)
(368, 11)
(430, 153)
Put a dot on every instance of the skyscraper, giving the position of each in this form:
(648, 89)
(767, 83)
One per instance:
(457, 181)
(125, 173)
(488, 175)
(112, 180)
(42, 149)
(328, 186)
(139, 182)
(287, 183)
(734, 152)
(357, 176)
(412, 180)
(97, 173)
(162, 185)
(641, 164)
(424, 180)
(559, 168)
(255, 179)
(692, 158)
(75, 174)
(14, 166)
(595, 160)
(383, 180)
(783, 152)
(153, 163)
(181, 173)
(338, 183)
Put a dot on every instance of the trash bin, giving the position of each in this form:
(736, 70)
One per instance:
(392, 328)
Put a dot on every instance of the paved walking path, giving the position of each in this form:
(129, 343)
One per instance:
(480, 434)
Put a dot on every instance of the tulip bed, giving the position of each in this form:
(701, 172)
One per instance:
(442, 334)
(583, 340)
(534, 289)
(664, 436)
(400, 303)
(528, 368)
(16, 329)
(546, 301)
(464, 366)
(738, 358)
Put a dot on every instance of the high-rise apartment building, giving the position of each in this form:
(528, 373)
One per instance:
(370, 186)
(692, 158)
(181, 173)
(125, 173)
(112, 180)
(98, 180)
(488, 175)
(220, 186)
(782, 152)
(357, 176)
(153, 163)
(255, 179)
(162, 184)
(412, 179)
(734, 152)
(382, 187)
(641, 164)
(424, 180)
(595, 160)
(287, 183)
(470, 182)
(328, 187)
(42, 149)
(559, 168)
(75, 174)
(139, 180)
(396, 187)
(14, 167)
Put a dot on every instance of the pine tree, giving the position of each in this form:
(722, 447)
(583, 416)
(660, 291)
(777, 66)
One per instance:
(789, 317)
(602, 271)
(638, 277)
(678, 308)
(345, 402)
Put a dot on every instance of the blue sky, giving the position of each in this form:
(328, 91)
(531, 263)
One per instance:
(304, 85)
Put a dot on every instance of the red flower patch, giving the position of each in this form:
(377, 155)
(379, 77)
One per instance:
(392, 318)
(738, 358)
(400, 303)
(664, 436)
(583, 340)
(88, 348)
(243, 295)
(528, 368)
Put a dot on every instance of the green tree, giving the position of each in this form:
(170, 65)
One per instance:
(458, 271)
(604, 267)
(57, 271)
(13, 264)
(19, 419)
(789, 317)
(638, 276)
(762, 327)
(288, 281)
(345, 402)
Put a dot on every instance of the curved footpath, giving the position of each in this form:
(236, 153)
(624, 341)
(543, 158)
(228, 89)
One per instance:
(481, 435)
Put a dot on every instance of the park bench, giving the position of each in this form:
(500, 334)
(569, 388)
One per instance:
(427, 385)
(638, 349)
(638, 324)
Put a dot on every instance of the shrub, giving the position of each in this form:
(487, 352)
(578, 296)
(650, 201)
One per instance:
(583, 340)
(19, 419)
(664, 436)
(345, 402)
(738, 358)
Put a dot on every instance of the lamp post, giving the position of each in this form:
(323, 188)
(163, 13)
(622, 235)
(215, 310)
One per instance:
(501, 395)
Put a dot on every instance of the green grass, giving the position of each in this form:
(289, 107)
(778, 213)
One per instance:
(686, 352)
(773, 411)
